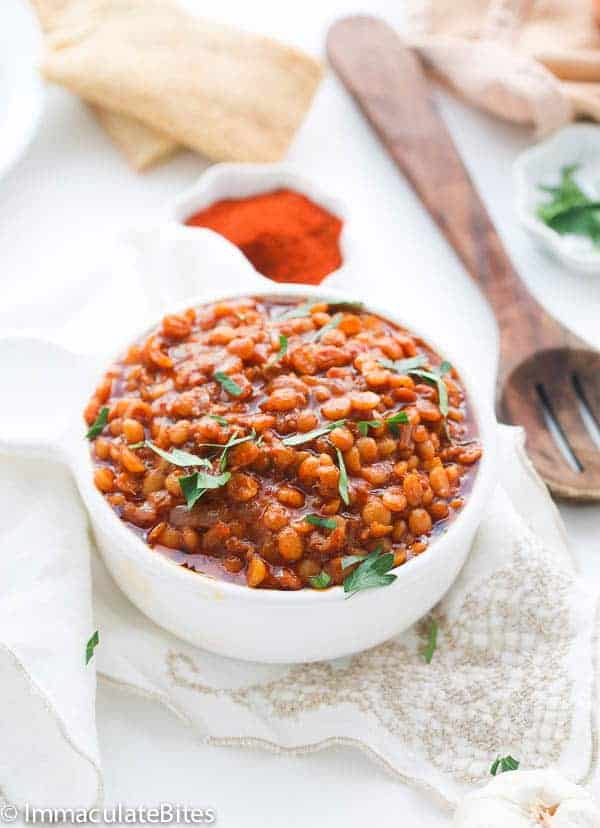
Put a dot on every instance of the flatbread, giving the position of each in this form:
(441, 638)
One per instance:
(229, 95)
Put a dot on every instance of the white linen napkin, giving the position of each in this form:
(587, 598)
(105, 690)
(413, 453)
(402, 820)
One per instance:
(512, 673)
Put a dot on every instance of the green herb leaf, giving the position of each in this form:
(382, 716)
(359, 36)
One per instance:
(570, 210)
(349, 560)
(233, 441)
(404, 366)
(300, 310)
(297, 439)
(504, 763)
(193, 486)
(343, 481)
(283, 346)
(91, 646)
(221, 420)
(436, 378)
(228, 384)
(176, 456)
(320, 581)
(392, 422)
(372, 572)
(432, 642)
(326, 523)
(97, 426)
(333, 323)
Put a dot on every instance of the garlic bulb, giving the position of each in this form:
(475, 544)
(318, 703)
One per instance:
(528, 799)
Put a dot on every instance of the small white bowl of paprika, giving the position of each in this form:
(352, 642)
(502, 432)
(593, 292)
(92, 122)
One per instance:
(289, 229)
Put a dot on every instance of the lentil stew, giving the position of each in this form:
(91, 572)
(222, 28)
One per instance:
(276, 442)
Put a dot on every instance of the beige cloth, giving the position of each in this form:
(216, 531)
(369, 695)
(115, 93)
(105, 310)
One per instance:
(158, 78)
(529, 61)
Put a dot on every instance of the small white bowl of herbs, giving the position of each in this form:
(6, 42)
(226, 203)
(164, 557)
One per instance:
(558, 195)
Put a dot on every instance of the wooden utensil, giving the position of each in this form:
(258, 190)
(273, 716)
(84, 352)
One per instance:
(547, 375)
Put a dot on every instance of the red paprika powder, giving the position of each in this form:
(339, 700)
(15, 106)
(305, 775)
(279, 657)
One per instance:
(285, 235)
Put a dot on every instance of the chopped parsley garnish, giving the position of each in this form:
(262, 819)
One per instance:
(228, 384)
(404, 366)
(343, 481)
(297, 439)
(91, 646)
(326, 523)
(329, 326)
(221, 420)
(432, 642)
(96, 428)
(193, 486)
(320, 581)
(570, 210)
(305, 308)
(436, 377)
(504, 763)
(283, 346)
(401, 417)
(372, 572)
(299, 310)
(233, 441)
(349, 560)
(176, 456)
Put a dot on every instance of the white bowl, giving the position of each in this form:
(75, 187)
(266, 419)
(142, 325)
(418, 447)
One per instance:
(575, 144)
(227, 618)
(223, 181)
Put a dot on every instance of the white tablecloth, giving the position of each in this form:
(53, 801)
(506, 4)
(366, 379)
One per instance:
(60, 209)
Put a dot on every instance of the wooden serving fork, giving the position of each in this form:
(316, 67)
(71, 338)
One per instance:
(549, 379)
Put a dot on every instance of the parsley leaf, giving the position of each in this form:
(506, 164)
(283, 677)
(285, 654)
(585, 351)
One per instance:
(326, 523)
(221, 420)
(300, 310)
(91, 646)
(392, 422)
(228, 384)
(333, 323)
(504, 763)
(343, 481)
(372, 572)
(193, 486)
(570, 210)
(233, 441)
(176, 456)
(432, 642)
(348, 560)
(297, 439)
(283, 346)
(98, 425)
(436, 377)
(404, 366)
(320, 581)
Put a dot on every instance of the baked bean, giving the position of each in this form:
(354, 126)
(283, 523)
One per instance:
(289, 544)
(364, 401)
(394, 499)
(342, 438)
(290, 497)
(419, 522)
(402, 480)
(104, 479)
(336, 409)
(242, 487)
(367, 449)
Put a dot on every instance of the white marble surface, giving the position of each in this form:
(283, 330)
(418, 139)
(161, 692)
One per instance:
(60, 210)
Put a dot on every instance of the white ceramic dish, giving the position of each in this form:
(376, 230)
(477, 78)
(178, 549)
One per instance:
(575, 144)
(21, 90)
(225, 618)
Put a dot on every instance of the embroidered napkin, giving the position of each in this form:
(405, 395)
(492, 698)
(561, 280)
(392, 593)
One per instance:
(158, 78)
(512, 673)
(529, 61)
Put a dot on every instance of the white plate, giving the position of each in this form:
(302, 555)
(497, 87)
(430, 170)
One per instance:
(21, 90)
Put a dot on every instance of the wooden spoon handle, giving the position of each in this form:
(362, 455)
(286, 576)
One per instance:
(387, 81)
